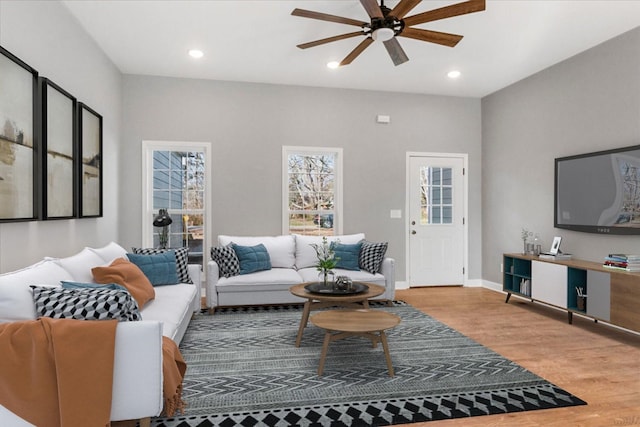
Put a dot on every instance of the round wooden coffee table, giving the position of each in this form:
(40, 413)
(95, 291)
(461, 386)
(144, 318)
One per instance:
(369, 324)
(315, 301)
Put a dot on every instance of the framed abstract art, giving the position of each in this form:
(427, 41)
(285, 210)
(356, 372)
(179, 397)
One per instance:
(90, 155)
(59, 164)
(19, 183)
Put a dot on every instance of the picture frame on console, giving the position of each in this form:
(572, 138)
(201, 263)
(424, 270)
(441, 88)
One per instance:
(59, 142)
(90, 156)
(19, 184)
(555, 246)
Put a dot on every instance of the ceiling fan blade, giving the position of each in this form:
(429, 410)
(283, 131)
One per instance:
(395, 51)
(446, 12)
(326, 17)
(372, 8)
(330, 39)
(357, 51)
(403, 8)
(444, 39)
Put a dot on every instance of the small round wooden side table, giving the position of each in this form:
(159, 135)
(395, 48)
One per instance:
(369, 324)
(315, 301)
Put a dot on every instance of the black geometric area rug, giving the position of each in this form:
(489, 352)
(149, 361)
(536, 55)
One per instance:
(244, 370)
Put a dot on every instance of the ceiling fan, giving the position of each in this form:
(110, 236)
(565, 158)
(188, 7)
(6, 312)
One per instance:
(387, 24)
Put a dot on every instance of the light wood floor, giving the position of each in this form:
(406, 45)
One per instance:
(593, 361)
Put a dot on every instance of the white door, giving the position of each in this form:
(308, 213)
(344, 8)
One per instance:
(436, 220)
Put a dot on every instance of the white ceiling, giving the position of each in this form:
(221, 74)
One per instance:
(255, 41)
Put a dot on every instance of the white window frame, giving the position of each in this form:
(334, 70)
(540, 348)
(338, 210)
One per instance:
(309, 151)
(148, 147)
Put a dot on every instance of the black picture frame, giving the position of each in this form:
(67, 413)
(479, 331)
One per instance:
(59, 152)
(19, 140)
(90, 162)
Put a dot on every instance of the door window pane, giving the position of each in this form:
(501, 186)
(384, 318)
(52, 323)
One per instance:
(436, 198)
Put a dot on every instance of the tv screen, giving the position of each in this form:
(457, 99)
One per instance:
(599, 192)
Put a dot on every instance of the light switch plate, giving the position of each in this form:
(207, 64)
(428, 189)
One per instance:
(396, 213)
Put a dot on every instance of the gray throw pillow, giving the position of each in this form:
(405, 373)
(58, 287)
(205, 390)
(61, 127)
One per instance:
(85, 304)
(372, 255)
(227, 261)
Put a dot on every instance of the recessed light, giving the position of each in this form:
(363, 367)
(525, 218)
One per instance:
(454, 74)
(196, 53)
(333, 64)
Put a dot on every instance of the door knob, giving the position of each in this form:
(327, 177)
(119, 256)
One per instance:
(413, 231)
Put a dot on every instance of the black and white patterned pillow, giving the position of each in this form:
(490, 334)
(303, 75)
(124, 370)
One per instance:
(85, 303)
(372, 255)
(182, 260)
(227, 260)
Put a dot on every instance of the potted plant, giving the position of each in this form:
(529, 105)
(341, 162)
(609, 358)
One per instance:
(327, 260)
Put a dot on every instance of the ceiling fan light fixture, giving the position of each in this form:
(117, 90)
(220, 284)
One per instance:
(454, 74)
(383, 34)
(333, 65)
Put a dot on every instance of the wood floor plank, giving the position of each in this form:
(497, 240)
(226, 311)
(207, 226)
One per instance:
(594, 361)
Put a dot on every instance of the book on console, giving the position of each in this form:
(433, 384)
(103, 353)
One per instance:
(621, 268)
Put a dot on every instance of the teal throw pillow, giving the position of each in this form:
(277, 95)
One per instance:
(348, 255)
(79, 285)
(160, 268)
(252, 258)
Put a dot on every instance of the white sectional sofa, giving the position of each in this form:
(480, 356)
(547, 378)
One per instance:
(137, 376)
(293, 261)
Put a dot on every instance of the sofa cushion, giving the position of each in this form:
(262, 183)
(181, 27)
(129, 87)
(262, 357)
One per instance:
(110, 252)
(372, 255)
(16, 298)
(80, 264)
(171, 306)
(182, 260)
(85, 304)
(281, 249)
(252, 258)
(306, 255)
(311, 275)
(347, 255)
(125, 273)
(160, 268)
(274, 279)
(227, 260)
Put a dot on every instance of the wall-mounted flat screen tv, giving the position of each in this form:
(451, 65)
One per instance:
(599, 192)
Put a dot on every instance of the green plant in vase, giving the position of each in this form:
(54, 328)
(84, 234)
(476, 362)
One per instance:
(327, 260)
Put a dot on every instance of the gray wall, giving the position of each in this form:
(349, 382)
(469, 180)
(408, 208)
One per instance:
(248, 124)
(587, 103)
(47, 37)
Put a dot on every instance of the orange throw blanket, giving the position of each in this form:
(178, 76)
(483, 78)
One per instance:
(58, 372)
(173, 369)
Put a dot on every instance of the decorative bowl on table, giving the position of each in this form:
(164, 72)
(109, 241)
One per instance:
(333, 289)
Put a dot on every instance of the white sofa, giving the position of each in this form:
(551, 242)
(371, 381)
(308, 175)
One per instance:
(137, 375)
(293, 261)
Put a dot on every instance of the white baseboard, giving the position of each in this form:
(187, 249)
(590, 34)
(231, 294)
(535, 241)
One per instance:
(402, 285)
(473, 283)
(492, 285)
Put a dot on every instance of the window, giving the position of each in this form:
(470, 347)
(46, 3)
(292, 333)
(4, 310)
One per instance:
(436, 202)
(175, 179)
(312, 190)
